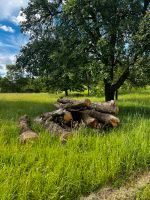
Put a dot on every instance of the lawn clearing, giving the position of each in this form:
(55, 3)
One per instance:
(48, 170)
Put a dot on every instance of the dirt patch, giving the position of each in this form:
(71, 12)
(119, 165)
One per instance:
(127, 192)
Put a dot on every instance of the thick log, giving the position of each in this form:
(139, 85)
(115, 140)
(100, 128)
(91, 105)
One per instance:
(58, 105)
(106, 107)
(49, 115)
(28, 135)
(73, 104)
(26, 131)
(89, 121)
(103, 117)
(65, 100)
(24, 123)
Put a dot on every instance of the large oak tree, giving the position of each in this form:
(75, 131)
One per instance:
(111, 36)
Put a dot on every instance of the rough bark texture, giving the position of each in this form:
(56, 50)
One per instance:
(26, 131)
(103, 117)
(89, 121)
(106, 107)
(74, 104)
(72, 113)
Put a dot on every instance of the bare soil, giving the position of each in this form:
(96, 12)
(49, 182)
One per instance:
(127, 192)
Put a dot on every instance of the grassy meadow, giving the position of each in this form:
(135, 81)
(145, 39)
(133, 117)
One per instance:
(47, 170)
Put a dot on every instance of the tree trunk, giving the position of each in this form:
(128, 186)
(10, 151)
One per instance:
(116, 95)
(66, 92)
(109, 92)
(88, 90)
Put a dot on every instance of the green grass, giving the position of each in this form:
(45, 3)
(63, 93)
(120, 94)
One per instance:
(144, 194)
(48, 170)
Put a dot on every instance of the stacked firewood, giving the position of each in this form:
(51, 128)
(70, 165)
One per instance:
(70, 114)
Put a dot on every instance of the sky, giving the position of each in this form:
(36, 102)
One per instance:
(11, 39)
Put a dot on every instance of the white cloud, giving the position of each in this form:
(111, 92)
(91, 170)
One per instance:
(7, 28)
(20, 18)
(10, 8)
(6, 58)
(9, 50)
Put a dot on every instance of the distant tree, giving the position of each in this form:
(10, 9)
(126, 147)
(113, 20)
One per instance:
(106, 35)
(6, 85)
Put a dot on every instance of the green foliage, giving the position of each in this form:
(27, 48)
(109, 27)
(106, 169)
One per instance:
(85, 42)
(90, 160)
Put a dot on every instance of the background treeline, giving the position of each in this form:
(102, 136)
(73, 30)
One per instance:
(16, 81)
(75, 45)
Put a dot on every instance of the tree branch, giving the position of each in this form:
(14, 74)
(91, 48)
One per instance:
(122, 79)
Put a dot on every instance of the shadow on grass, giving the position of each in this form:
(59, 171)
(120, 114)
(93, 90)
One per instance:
(12, 110)
(141, 111)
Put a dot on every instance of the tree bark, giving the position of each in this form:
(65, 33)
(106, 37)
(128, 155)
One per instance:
(103, 117)
(116, 95)
(109, 91)
(74, 104)
(66, 93)
(89, 121)
(106, 107)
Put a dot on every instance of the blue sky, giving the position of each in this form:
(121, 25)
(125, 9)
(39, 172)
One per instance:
(11, 39)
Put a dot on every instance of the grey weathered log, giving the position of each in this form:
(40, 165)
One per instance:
(89, 121)
(73, 104)
(103, 117)
(49, 115)
(65, 100)
(106, 107)
(28, 135)
(26, 131)
(24, 123)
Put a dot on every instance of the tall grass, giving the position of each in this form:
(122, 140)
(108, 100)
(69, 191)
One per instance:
(48, 170)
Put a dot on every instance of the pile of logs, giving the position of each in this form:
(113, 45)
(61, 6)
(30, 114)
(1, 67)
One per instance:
(70, 114)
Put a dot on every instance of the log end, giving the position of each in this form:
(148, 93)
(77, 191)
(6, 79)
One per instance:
(115, 122)
(68, 117)
(87, 102)
(27, 136)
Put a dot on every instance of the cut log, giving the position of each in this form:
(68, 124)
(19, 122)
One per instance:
(68, 117)
(49, 115)
(74, 104)
(89, 121)
(28, 135)
(65, 100)
(24, 123)
(106, 107)
(58, 105)
(103, 117)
